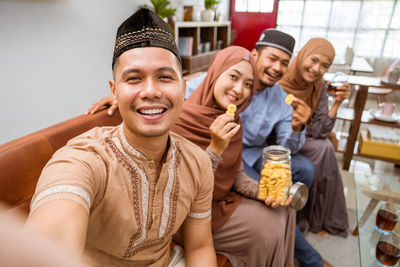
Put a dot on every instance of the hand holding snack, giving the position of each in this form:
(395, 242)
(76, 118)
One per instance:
(301, 112)
(289, 99)
(222, 130)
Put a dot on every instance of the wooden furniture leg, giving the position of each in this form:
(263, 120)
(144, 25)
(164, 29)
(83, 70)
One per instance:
(359, 104)
(376, 196)
(370, 208)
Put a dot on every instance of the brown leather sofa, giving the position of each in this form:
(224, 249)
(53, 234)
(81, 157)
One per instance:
(22, 160)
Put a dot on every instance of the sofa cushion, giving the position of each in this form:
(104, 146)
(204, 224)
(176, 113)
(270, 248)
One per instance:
(23, 159)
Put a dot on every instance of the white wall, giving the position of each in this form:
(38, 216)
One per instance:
(55, 58)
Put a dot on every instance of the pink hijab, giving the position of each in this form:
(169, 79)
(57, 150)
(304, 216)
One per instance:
(198, 113)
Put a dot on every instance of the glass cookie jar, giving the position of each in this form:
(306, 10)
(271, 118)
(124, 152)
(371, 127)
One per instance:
(276, 175)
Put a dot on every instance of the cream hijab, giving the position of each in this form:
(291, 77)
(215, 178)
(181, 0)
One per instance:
(293, 81)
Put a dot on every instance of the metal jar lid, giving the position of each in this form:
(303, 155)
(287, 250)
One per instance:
(299, 191)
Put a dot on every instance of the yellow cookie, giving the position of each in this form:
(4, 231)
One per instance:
(231, 109)
(289, 99)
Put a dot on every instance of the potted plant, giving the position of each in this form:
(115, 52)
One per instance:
(160, 7)
(208, 14)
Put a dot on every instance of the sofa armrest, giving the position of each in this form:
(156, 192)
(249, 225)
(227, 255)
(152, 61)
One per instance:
(23, 159)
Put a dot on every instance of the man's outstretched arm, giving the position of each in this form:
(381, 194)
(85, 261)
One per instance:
(198, 244)
(65, 221)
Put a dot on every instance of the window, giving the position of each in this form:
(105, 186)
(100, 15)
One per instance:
(265, 6)
(371, 27)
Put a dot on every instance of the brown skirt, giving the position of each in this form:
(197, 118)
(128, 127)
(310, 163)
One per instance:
(257, 235)
(326, 207)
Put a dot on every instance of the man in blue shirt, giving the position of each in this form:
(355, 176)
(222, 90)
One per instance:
(269, 120)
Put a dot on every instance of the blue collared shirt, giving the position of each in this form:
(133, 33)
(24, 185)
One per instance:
(193, 83)
(267, 114)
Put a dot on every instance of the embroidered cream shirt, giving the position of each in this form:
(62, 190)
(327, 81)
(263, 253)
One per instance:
(132, 216)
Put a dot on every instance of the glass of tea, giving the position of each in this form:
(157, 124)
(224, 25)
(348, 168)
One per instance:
(338, 80)
(386, 218)
(387, 251)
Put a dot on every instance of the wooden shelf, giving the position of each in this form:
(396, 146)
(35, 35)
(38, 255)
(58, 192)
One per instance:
(198, 62)
(216, 33)
(191, 24)
(201, 55)
(397, 162)
(342, 149)
(347, 114)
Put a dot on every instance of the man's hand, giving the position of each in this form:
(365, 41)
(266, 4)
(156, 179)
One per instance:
(222, 130)
(276, 203)
(300, 115)
(105, 102)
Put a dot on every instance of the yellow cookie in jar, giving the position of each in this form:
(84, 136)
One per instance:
(276, 177)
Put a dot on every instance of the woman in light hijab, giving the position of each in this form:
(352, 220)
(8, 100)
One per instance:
(245, 230)
(326, 208)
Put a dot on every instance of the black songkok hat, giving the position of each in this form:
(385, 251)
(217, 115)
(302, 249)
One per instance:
(144, 29)
(277, 39)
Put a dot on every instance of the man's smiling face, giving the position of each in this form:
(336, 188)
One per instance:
(272, 64)
(149, 88)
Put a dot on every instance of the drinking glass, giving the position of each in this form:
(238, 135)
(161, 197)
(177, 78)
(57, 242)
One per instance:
(387, 251)
(387, 109)
(386, 218)
(339, 78)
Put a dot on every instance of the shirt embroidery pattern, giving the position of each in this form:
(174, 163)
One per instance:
(141, 197)
(127, 146)
(144, 190)
(200, 215)
(167, 192)
(135, 187)
(63, 189)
